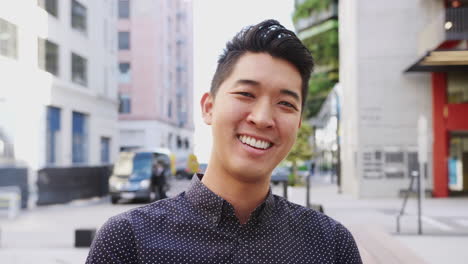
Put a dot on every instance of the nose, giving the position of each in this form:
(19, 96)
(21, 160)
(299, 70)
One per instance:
(261, 115)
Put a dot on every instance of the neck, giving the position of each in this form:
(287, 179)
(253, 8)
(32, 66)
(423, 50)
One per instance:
(243, 196)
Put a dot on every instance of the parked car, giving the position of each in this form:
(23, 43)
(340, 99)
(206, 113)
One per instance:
(202, 167)
(280, 174)
(132, 175)
(186, 166)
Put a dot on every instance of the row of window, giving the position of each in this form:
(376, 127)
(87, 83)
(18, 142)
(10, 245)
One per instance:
(180, 142)
(80, 138)
(48, 60)
(78, 13)
(48, 54)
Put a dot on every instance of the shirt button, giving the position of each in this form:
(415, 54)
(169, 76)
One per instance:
(239, 240)
(215, 219)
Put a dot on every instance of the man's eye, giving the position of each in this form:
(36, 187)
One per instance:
(288, 104)
(246, 94)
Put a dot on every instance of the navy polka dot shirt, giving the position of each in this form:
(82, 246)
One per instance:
(197, 226)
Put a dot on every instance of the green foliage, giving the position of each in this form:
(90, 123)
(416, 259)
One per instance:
(324, 48)
(320, 85)
(300, 151)
(305, 9)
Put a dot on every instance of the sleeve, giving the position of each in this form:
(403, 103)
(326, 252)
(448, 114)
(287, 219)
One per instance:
(347, 251)
(114, 243)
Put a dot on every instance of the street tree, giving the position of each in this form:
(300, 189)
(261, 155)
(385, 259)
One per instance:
(301, 151)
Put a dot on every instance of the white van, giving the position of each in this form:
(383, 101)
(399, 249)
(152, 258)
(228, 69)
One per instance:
(131, 177)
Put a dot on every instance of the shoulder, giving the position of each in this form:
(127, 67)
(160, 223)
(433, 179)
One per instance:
(128, 221)
(309, 222)
(304, 217)
(121, 235)
(114, 241)
(156, 211)
(317, 227)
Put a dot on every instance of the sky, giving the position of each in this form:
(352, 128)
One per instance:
(215, 23)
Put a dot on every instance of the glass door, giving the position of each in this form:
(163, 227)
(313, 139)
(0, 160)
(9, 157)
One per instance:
(458, 162)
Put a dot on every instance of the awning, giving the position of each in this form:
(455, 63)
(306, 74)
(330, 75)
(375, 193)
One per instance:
(441, 61)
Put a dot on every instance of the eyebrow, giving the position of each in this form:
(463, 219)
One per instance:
(255, 83)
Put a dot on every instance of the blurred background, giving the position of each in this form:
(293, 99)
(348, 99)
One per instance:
(95, 94)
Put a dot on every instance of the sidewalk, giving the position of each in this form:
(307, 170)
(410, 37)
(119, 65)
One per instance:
(373, 224)
(45, 234)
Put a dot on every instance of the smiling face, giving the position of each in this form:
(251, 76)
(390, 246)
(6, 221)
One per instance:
(254, 117)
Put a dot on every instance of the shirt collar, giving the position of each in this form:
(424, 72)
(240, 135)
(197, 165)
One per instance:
(204, 199)
(211, 205)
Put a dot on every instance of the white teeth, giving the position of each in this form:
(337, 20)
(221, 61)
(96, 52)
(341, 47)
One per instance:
(254, 142)
(259, 144)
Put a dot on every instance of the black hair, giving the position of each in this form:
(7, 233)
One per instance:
(269, 37)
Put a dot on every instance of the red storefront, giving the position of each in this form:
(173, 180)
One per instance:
(448, 66)
(450, 130)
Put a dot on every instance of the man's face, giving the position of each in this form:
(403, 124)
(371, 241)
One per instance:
(255, 116)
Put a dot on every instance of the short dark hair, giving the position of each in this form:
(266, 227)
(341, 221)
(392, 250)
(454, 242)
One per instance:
(270, 37)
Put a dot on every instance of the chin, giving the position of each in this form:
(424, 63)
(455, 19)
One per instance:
(250, 174)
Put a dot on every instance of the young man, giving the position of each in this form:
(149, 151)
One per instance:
(229, 214)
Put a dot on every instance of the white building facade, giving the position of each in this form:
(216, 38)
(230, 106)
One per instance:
(58, 85)
(381, 104)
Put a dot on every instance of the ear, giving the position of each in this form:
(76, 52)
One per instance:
(206, 103)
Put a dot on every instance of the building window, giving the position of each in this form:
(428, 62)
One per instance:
(8, 39)
(169, 141)
(78, 16)
(50, 6)
(52, 134)
(79, 70)
(48, 56)
(105, 150)
(79, 138)
(124, 9)
(124, 40)
(187, 144)
(124, 72)
(169, 109)
(179, 142)
(457, 88)
(124, 104)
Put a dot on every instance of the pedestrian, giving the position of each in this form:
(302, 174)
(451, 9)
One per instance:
(229, 214)
(158, 177)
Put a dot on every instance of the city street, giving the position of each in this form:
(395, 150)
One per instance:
(105, 98)
(46, 234)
